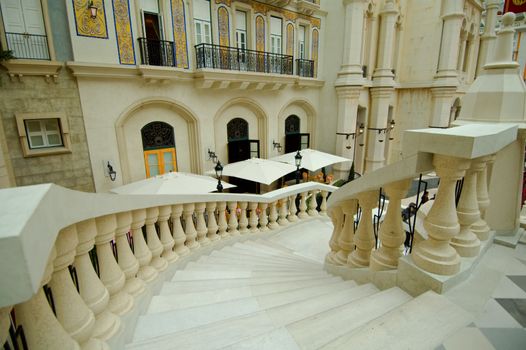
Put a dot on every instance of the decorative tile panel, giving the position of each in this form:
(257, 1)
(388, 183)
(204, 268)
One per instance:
(260, 33)
(224, 28)
(315, 45)
(290, 39)
(123, 30)
(85, 24)
(179, 28)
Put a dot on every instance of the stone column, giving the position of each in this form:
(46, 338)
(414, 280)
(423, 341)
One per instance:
(152, 238)
(166, 236)
(212, 223)
(221, 216)
(232, 219)
(375, 151)
(487, 39)
(92, 290)
(392, 233)
(283, 212)
(313, 203)
(345, 240)
(364, 237)
(263, 218)
(41, 327)
(452, 16)
(336, 215)
(383, 74)
(480, 227)
(243, 220)
(351, 68)
(141, 251)
(110, 273)
(292, 215)
(435, 254)
(189, 228)
(253, 218)
(76, 318)
(127, 261)
(201, 224)
(273, 217)
(466, 242)
(443, 98)
(178, 232)
(348, 100)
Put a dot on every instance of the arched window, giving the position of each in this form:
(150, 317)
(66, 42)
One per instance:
(158, 143)
(237, 129)
(292, 125)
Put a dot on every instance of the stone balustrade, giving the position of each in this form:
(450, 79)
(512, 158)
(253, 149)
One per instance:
(101, 252)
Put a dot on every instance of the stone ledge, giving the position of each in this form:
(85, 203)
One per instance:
(381, 279)
(509, 240)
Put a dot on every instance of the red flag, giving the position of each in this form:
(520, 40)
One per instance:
(515, 6)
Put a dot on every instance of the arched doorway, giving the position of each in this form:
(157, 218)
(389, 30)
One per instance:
(158, 144)
(294, 138)
(240, 147)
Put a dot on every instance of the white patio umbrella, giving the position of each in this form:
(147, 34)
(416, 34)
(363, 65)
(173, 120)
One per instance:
(172, 183)
(258, 170)
(311, 159)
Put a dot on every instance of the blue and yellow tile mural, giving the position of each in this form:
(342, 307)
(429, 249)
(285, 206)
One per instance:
(290, 39)
(315, 45)
(87, 25)
(224, 29)
(179, 27)
(260, 33)
(123, 30)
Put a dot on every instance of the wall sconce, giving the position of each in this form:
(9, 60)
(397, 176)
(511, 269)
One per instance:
(361, 128)
(385, 130)
(212, 156)
(112, 173)
(277, 145)
(92, 9)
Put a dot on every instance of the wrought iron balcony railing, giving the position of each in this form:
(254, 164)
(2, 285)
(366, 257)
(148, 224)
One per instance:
(157, 52)
(28, 46)
(305, 68)
(232, 58)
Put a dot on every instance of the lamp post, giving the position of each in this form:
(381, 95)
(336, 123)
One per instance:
(297, 160)
(219, 172)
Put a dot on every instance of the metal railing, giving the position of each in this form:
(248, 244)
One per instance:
(157, 52)
(28, 46)
(305, 68)
(232, 58)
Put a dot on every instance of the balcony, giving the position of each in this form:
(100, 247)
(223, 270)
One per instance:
(305, 68)
(157, 52)
(28, 46)
(307, 7)
(232, 58)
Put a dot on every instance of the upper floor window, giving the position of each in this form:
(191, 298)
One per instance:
(241, 30)
(203, 32)
(152, 20)
(43, 133)
(275, 35)
(301, 42)
(24, 28)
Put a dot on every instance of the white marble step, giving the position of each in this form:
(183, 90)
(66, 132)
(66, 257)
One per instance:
(278, 257)
(193, 275)
(267, 251)
(242, 257)
(203, 265)
(319, 330)
(273, 284)
(162, 303)
(422, 323)
(269, 264)
(230, 331)
(277, 339)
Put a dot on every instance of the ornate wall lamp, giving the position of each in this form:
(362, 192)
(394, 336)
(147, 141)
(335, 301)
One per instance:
(92, 9)
(277, 145)
(361, 128)
(385, 130)
(111, 172)
(212, 156)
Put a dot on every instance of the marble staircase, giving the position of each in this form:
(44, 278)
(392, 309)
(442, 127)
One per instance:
(262, 295)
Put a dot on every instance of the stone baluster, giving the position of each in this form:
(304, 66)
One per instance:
(201, 228)
(141, 251)
(392, 233)
(74, 315)
(480, 227)
(222, 222)
(466, 242)
(152, 238)
(110, 273)
(345, 240)
(92, 290)
(293, 210)
(303, 206)
(263, 218)
(41, 328)
(336, 215)
(232, 220)
(178, 232)
(212, 223)
(189, 228)
(253, 217)
(243, 220)
(313, 203)
(273, 217)
(364, 237)
(435, 254)
(127, 261)
(166, 236)
(283, 212)
(323, 205)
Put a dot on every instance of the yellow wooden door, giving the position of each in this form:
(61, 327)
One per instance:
(160, 161)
